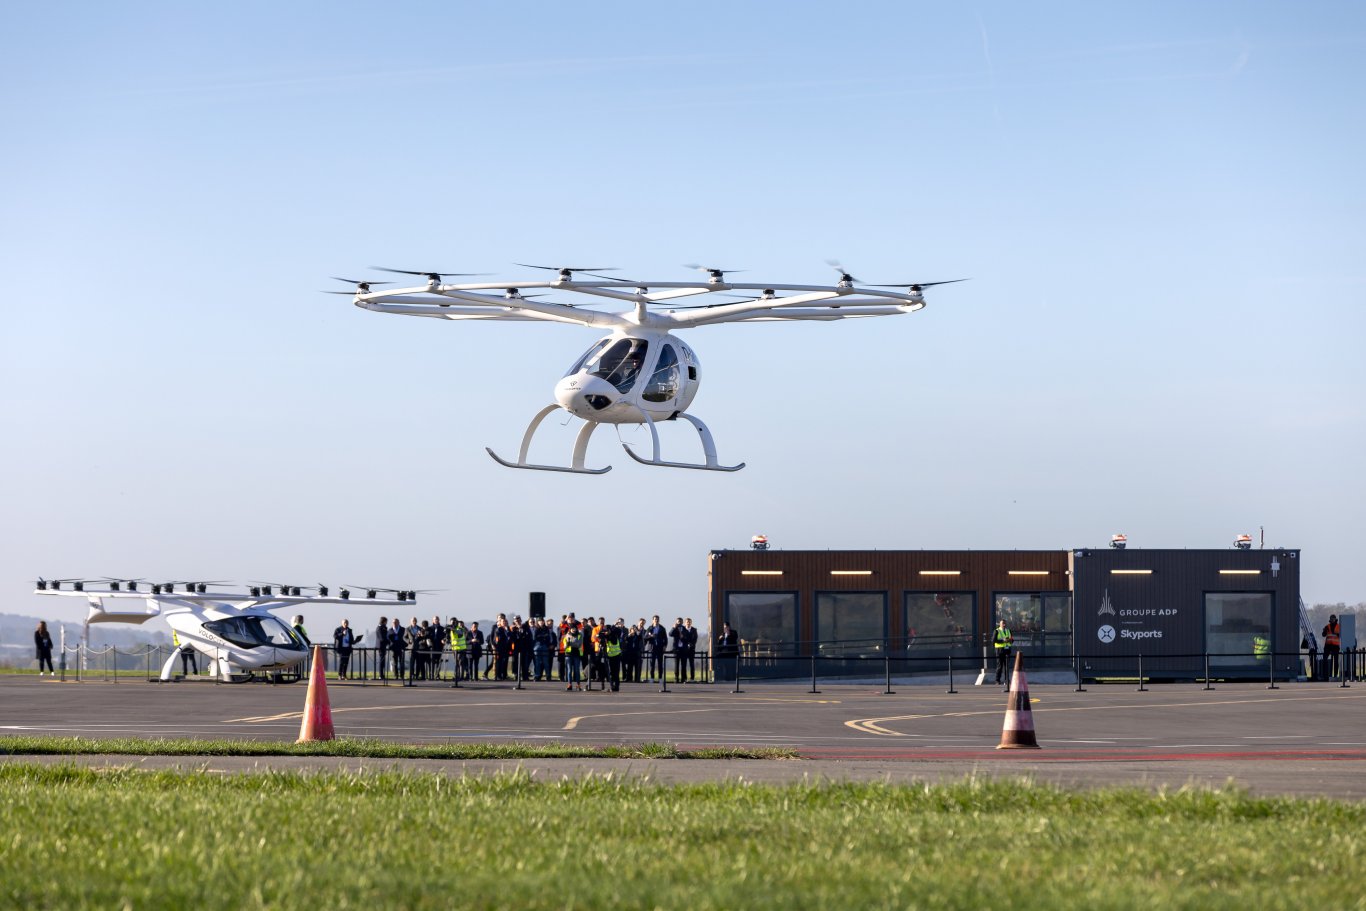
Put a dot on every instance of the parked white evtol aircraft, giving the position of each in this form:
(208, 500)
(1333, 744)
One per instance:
(236, 631)
(641, 373)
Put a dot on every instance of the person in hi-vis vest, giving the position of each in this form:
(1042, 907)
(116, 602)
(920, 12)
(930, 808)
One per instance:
(1004, 641)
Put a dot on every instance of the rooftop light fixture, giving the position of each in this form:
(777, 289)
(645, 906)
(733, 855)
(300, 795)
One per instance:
(1131, 572)
(1240, 572)
(851, 572)
(941, 572)
(1027, 572)
(761, 572)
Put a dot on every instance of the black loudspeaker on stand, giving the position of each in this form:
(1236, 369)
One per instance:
(537, 608)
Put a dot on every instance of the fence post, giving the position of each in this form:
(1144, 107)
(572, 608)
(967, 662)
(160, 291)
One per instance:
(737, 672)
(813, 669)
(1076, 668)
(1272, 659)
(1342, 668)
(887, 671)
(951, 689)
(1141, 687)
(1207, 686)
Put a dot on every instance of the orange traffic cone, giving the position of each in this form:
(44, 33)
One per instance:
(317, 712)
(1018, 733)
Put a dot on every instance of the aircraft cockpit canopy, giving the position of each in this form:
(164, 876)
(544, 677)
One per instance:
(619, 362)
(255, 632)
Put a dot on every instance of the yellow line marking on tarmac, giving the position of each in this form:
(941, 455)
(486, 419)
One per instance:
(573, 723)
(872, 725)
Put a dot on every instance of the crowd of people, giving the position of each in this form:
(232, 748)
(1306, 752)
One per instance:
(572, 652)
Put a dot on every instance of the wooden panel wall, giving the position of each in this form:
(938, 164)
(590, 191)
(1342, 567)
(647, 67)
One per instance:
(894, 571)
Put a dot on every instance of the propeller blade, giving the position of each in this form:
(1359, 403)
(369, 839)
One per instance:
(361, 281)
(839, 267)
(437, 274)
(611, 278)
(570, 268)
(919, 284)
(712, 271)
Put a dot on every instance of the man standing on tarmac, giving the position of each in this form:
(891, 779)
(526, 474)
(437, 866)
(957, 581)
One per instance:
(1332, 646)
(690, 636)
(656, 645)
(381, 644)
(396, 645)
(610, 641)
(1004, 641)
(460, 649)
(344, 638)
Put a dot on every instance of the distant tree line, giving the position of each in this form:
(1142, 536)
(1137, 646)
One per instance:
(1319, 614)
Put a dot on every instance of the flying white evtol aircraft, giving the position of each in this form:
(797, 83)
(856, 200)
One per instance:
(236, 631)
(640, 373)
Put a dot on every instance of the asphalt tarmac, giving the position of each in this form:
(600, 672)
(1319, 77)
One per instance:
(1302, 738)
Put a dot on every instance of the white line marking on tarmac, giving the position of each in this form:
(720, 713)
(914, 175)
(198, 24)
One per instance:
(872, 725)
(1276, 737)
(573, 723)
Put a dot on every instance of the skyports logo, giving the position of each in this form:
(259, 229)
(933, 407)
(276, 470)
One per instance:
(1140, 634)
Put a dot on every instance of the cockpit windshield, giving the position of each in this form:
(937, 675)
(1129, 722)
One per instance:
(254, 632)
(588, 356)
(621, 363)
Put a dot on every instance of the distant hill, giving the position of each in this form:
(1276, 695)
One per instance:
(16, 637)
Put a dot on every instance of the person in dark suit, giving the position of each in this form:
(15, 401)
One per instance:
(690, 635)
(344, 639)
(631, 646)
(679, 639)
(656, 646)
(727, 650)
(436, 639)
(381, 644)
(476, 648)
(396, 640)
(502, 648)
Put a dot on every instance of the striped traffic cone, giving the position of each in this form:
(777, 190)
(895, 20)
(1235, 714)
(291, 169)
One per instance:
(1018, 733)
(317, 712)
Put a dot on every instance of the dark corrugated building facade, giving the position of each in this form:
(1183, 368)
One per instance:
(1097, 609)
(1175, 607)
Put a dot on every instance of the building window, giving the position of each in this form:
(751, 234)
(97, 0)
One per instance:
(765, 621)
(1040, 622)
(939, 624)
(1233, 621)
(851, 624)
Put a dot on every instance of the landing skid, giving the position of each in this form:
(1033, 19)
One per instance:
(580, 448)
(708, 448)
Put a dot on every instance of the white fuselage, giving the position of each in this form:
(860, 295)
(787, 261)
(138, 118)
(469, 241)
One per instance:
(628, 374)
(249, 638)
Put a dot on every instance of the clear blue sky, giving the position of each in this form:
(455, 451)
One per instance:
(1160, 206)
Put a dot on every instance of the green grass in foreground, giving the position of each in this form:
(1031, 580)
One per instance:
(371, 749)
(79, 838)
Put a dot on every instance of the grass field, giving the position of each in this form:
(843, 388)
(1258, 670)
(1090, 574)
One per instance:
(371, 749)
(80, 838)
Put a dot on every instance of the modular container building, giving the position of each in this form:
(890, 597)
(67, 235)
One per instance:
(925, 611)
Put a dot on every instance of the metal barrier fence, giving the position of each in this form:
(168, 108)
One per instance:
(369, 666)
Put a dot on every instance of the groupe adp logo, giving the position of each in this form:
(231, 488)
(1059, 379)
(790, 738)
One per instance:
(1106, 633)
